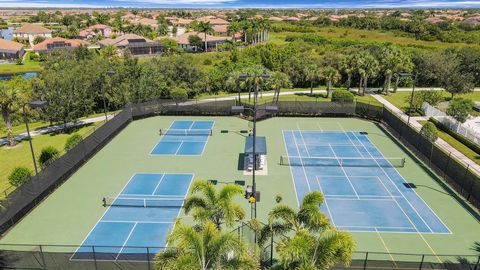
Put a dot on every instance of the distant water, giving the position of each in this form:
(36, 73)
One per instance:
(7, 33)
(26, 75)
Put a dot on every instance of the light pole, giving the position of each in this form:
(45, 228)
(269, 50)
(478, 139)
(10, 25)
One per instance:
(110, 74)
(404, 75)
(241, 109)
(34, 105)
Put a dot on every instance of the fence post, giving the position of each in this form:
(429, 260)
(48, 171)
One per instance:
(365, 262)
(465, 178)
(421, 263)
(43, 257)
(94, 257)
(478, 263)
(446, 166)
(148, 258)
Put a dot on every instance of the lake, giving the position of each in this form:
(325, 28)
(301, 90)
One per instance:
(26, 75)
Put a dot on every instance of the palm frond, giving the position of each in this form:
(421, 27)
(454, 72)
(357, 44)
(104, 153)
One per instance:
(206, 188)
(229, 191)
(283, 212)
(312, 198)
(193, 202)
(313, 218)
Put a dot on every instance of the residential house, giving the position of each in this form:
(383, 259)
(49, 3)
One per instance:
(277, 19)
(473, 20)
(212, 41)
(96, 30)
(434, 20)
(58, 43)
(137, 45)
(180, 25)
(212, 20)
(10, 50)
(30, 31)
(145, 21)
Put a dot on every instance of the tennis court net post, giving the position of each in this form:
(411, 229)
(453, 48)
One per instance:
(341, 162)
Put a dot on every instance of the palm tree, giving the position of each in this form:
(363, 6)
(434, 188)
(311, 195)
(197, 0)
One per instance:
(332, 76)
(210, 205)
(205, 247)
(205, 28)
(365, 65)
(277, 81)
(307, 240)
(245, 25)
(392, 61)
(232, 29)
(13, 94)
(312, 75)
(235, 83)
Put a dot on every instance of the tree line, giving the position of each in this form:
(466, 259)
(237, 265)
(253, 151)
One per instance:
(76, 81)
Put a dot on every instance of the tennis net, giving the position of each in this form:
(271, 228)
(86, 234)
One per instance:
(143, 202)
(187, 132)
(341, 162)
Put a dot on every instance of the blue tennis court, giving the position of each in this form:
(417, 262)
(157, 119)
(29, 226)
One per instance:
(141, 216)
(184, 138)
(363, 189)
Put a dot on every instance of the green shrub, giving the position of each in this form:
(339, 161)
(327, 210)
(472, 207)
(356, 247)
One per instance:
(278, 198)
(342, 96)
(178, 94)
(429, 131)
(457, 136)
(207, 62)
(72, 141)
(19, 175)
(47, 155)
(459, 108)
(432, 97)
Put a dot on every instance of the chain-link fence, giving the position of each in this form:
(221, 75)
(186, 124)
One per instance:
(450, 122)
(465, 181)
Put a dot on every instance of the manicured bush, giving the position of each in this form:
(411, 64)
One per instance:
(457, 136)
(342, 96)
(429, 131)
(72, 141)
(459, 108)
(178, 94)
(48, 154)
(19, 175)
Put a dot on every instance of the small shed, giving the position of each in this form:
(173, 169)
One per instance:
(260, 145)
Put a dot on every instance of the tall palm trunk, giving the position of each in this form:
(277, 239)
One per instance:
(365, 80)
(395, 87)
(206, 49)
(360, 86)
(387, 83)
(311, 87)
(329, 82)
(6, 119)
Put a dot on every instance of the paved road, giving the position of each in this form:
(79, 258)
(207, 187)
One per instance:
(50, 129)
(440, 142)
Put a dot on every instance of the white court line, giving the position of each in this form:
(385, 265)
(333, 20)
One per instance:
(291, 172)
(344, 172)
(158, 196)
(126, 240)
(98, 221)
(354, 145)
(326, 203)
(208, 137)
(303, 167)
(393, 183)
(304, 143)
(158, 184)
(178, 149)
(319, 127)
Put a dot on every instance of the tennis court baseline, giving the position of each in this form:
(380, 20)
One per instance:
(184, 137)
(363, 190)
(141, 216)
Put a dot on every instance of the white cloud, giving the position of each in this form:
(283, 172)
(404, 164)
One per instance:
(177, 2)
(21, 4)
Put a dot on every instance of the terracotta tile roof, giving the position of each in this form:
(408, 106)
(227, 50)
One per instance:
(43, 46)
(7, 45)
(99, 26)
(212, 20)
(220, 28)
(273, 18)
(122, 40)
(32, 29)
(183, 38)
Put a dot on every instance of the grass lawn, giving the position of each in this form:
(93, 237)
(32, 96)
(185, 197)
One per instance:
(28, 65)
(474, 156)
(399, 99)
(20, 154)
(367, 36)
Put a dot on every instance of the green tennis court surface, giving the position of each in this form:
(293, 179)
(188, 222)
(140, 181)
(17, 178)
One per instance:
(69, 214)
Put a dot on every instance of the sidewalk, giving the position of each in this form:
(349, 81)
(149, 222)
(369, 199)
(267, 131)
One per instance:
(440, 142)
(51, 129)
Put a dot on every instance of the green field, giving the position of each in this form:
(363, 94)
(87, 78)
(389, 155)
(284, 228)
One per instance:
(20, 154)
(69, 213)
(28, 65)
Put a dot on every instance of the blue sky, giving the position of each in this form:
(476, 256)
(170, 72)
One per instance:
(243, 3)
